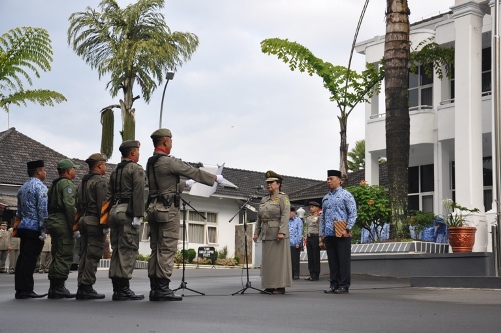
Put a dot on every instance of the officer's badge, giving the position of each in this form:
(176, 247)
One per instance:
(69, 190)
(287, 202)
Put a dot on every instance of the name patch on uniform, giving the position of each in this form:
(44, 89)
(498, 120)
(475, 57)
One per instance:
(69, 190)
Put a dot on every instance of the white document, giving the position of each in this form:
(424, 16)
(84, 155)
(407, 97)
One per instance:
(202, 190)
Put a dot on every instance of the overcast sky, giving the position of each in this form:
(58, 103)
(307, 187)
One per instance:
(231, 103)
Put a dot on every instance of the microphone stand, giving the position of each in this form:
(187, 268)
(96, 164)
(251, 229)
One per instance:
(183, 283)
(247, 284)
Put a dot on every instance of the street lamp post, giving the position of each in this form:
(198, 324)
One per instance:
(170, 76)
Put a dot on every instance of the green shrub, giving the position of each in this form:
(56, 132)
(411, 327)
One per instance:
(140, 257)
(223, 253)
(190, 254)
(237, 259)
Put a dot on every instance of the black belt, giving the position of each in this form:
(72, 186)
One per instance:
(92, 214)
(312, 235)
(122, 201)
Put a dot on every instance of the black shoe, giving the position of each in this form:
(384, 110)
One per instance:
(58, 290)
(163, 292)
(28, 294)
(124, 293)
(87, 292)
(295, 278)
(309, 278)
(267, 291)
(330, 290)
(314, 278)
(341, 290)
(278, 291)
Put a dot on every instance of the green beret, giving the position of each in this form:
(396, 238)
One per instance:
(96, 158)
(66, 164)
(161, 133)
(272, 175)
(129, 144)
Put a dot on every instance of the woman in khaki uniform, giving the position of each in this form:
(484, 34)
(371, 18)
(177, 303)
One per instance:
(273, 226)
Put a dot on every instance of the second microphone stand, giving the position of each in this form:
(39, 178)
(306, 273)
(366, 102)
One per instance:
(183, 283)
(248, 283)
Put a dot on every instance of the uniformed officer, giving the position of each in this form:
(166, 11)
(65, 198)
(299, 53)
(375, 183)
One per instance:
(91, 195)
(273, 226)
(4, 245)
(313, 241)
(62, 209)
(14, 252)
(165, 185)
(126, 193)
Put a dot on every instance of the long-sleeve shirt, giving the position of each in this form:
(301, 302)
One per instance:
(295, 231)
(337, 205)
(32, 205)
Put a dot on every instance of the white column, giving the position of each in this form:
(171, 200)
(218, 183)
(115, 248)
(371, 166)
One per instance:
(468, 115)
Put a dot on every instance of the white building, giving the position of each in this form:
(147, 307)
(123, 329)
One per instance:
(452, 124)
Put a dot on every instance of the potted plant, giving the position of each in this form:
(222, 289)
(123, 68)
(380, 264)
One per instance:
(461, 237)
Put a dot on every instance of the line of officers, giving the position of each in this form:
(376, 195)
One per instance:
(98, 207)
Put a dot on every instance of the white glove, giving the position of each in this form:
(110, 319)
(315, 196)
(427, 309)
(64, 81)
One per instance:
(76, 234)
(106, 231)
(42, 236)
(189, 183)
(219, 179)
(136, 222)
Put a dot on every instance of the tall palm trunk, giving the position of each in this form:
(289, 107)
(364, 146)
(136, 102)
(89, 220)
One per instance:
(396, 59)
(128, 113)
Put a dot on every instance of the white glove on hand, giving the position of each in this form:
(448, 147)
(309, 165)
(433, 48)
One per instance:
(136, 222)
(76, 234)
(189, 183)
(42, 236)
(219, 179)
(106, 231)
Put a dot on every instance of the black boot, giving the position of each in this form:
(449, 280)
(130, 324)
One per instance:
(58, 290)
(125, 293)
(153, 286)
(116, 289)
(87, 292)
(163, 293)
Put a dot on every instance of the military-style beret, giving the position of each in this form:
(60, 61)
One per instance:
(293, 209)
(272, 175)
(66, 164)
(335, 173)
(35, 164)
(129, 144)
(97, 157)
(161, 133)
(314, 203)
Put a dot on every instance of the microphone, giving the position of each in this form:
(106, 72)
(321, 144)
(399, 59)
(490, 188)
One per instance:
(258, 187)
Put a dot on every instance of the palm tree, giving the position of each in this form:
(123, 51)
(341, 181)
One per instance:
(132, 45)
(396, 60)
(23, 49)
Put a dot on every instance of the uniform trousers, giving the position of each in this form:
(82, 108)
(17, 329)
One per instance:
(30, 249)
(124, 240)
(91, 249)
(3, 258)
(339, 256)
(295, 256)
(62, 249)
(13, 255)
(313, 250)
(164, 237)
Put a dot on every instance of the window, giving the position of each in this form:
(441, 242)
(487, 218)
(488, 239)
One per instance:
(420, 89)
(421, 185)
(211, 235)
(201, 228)
(486, 70)
(487, 181)
(196, 233)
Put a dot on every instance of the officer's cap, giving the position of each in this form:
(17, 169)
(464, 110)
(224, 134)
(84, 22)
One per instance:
(66, 164)
(272, 175)
(129, 144)
(3, 223)
(97, 157)
(161, 133)
(314, 203)
(335, 173)
(35, 164)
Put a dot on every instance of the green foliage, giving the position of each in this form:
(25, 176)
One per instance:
(131, 45)
(433, 56)
(237, 259)
(223, 253)
(357, 156)
(420, 220)
(373, 207)
(455, 215)
(22, 50)
(141, 257)
(190, 254)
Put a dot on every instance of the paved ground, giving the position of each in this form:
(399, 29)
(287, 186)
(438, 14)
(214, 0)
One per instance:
(374, 304)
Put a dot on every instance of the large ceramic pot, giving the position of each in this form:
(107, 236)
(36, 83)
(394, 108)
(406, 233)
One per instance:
(462, 239)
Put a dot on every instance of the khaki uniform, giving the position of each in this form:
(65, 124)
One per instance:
(273, 218)
(62, 209)
(14, 252)
(91, 194)
(45, 256)
(4, 248)
(312, 244)
(126, 192)
(163, 212)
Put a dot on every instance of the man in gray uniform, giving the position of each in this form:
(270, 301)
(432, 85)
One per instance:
(313, 242)
(126, 194)
(165, 186)
(4, 245)
(91, 194)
